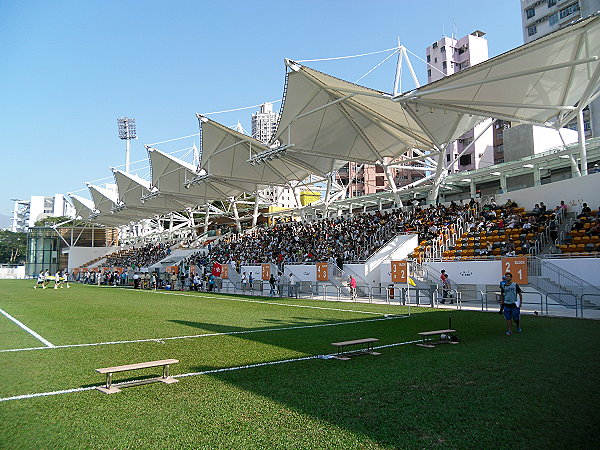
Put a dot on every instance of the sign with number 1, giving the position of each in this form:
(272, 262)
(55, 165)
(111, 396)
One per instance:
(517, 266)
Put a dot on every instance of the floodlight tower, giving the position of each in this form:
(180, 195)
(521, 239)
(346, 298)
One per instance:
(126, 133)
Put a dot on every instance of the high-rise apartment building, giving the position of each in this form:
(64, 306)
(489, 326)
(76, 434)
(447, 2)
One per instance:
(446, 57)
(27, 212)
(264, 123)
(540, 17)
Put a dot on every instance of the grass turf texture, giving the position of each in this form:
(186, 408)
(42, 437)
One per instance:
(536, 389)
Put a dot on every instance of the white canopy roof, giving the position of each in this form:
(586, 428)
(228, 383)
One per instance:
(323, 115)
(84, 207)
(104, 202)
(225, 155)
(541, 82)
(131, 191)
(170, 176)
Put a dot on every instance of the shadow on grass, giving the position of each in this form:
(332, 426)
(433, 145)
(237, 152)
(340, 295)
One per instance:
(102, 381)
(408, 396)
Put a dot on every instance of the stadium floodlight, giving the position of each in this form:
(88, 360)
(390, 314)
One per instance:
(127, 132)
(269, 155)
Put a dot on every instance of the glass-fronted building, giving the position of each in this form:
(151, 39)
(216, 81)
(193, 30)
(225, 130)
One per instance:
(43, 251)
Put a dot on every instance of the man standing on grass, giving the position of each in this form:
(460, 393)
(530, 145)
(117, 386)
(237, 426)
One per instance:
(512, 306)
(291, 285)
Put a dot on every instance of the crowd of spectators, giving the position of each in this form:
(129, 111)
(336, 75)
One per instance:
(356, 237)
(352, 238)
(344, 239)
(140, 257)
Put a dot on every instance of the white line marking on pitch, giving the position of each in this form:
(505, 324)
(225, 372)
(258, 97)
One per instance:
(224, 333)
(29, 330)
(234, 299)
(192, 374)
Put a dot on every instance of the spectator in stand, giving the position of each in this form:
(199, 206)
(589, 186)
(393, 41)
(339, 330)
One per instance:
(562, 207)
(543, 208)
(595, 229)
(585, 211)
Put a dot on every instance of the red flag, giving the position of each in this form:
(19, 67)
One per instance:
(216, 269)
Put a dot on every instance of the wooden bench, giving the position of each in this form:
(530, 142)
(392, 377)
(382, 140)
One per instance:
(166, 378)
(346, 355)
(432, 344)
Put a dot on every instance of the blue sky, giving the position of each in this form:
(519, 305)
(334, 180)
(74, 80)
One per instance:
(69, 69)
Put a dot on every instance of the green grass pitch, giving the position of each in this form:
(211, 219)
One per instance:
(537, 389)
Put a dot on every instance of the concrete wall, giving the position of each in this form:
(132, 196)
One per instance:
(81, 255)
(573, 191)
(12, 273)
(588, 269)
(527, 140)
(470, 272)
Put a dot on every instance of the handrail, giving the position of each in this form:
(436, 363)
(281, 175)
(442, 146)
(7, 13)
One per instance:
(551, 276)
(564, 294)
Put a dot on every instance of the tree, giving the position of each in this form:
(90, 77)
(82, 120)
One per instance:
(51, 221)
(13, 247)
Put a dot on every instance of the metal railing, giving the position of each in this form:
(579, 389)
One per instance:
(550, 278)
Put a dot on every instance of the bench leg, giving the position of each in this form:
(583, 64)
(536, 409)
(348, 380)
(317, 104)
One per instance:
(109, 388)
(166, 378)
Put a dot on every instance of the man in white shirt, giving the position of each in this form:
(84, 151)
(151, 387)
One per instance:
(40, 280)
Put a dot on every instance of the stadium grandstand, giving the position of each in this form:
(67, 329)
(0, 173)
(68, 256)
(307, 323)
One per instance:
(188, 223)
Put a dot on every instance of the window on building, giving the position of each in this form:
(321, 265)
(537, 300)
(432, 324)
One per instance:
(428, 72)
(447, 158)
(428, 58)
(531, 30)
(499, 135)
(443, 48)
(379, 181)
(463, 49)
(465, 160)
(378, 169)
(444, 65)
(553, 19)
(551, 3)
(434, 60)
(530, 12)
(569, 10)
(434, 45)
(500, 148)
